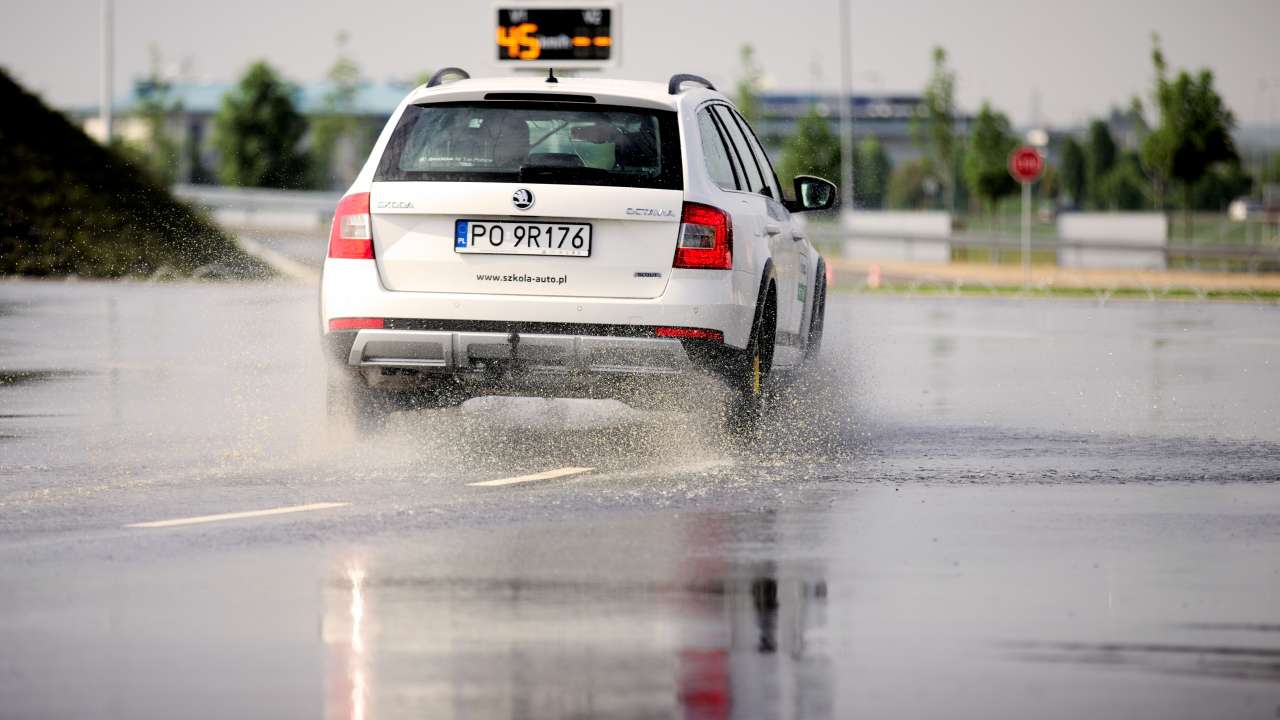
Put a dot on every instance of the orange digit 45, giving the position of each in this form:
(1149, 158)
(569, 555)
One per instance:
(520, 41)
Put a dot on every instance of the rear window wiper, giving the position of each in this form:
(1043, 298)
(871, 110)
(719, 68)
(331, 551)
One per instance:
(552, 172)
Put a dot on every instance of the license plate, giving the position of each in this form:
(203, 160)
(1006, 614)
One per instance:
(522, 238)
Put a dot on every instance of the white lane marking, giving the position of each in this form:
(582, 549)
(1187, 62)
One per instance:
(548, 475)
(287, 267)
(237, 515)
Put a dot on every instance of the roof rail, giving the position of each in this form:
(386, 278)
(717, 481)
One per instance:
(438, 78)
(673, 85)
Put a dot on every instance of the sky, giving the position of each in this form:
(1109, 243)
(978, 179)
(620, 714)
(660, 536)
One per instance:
(1078, 57)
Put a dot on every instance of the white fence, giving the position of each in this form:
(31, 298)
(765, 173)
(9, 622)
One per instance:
(1129, 241)
(1084, 240)
(889, 235)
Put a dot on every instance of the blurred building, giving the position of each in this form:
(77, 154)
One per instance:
(887, 116)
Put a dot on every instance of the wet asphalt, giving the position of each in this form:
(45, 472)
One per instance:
(976, 508)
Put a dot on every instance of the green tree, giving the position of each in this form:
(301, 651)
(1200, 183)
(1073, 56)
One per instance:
(1272, 172)
(1222, 184)
(750, 84)
(1269, 173)
(986, 166)
(871, 172)
(933, 129)
(1100, 157)
(1049, 186)
(912, 186)
(1124, 187)
(158, 154)
(813, 149)
(257, 132)
(1074, 175)
(960, 196)
(339, 141)
(337, 123)
(1156, 153)
(1193, 134)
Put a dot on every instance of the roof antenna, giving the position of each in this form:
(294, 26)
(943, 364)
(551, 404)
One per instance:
(551, 75)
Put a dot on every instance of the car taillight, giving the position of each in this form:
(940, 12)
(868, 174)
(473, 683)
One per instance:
(706, 238)
(688, 333)
(351, 235)
(357, 324)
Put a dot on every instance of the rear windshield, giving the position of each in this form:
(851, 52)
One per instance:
(534, 142)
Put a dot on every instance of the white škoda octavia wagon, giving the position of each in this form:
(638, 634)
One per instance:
(568, 237)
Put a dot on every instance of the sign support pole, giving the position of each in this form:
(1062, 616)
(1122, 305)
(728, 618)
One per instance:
(1026, 236)
(1026, 164)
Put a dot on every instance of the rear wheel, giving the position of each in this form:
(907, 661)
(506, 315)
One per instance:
(749, 386)
(349, 399)
(349, 396)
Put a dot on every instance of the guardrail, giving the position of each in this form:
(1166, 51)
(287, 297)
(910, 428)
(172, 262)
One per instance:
(1252, 257)
(259, 198)
(263, 209)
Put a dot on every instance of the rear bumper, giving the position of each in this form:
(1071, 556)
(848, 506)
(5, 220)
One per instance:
(489, 353)
(715, 300)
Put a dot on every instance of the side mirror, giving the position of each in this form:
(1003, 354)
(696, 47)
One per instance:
(812, 193)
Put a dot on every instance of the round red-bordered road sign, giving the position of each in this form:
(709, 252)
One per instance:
(1025, 164)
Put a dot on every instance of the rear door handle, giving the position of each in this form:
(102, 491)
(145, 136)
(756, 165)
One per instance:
(772, 228)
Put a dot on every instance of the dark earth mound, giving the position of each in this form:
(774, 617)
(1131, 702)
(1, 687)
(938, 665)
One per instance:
(69, 206)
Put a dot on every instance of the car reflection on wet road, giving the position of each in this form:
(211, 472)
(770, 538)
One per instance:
(986, 509)
(574, 647)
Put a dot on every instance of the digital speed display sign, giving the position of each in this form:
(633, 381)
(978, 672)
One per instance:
(552, 36)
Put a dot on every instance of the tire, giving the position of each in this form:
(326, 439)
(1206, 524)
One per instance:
(749, 389)
(817, 316)
(350, 398)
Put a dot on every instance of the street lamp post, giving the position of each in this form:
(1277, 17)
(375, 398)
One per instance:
(846, 111)
(104, 81)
